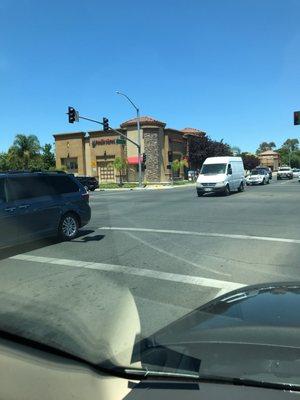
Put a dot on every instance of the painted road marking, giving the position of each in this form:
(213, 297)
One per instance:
(223, 286)
(206, 234)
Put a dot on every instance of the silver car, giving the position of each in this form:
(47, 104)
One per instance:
(258, 177)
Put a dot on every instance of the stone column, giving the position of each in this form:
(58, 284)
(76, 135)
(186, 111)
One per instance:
(152, 149)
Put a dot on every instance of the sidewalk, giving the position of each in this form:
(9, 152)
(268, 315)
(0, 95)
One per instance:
(148, 187)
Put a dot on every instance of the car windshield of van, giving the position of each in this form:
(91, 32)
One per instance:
(213, 169)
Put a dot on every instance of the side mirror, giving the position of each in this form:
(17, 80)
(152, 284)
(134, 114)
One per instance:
(229, 171)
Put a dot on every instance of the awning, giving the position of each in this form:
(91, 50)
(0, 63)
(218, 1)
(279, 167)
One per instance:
(133, 160)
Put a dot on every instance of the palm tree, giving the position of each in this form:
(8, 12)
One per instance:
(25, 148)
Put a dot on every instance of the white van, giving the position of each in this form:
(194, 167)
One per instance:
(221, 174)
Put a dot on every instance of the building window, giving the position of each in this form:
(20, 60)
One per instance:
(70, 163)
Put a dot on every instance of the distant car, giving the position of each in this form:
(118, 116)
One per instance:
(40, 205)
(258, 177)
(90, 183)
(284, 173)
(296, 172)
(268, 169)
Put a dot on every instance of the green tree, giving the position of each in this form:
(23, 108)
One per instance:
(264, 146)
(250, 161)
(4, 162)
(48, 158)
(26, 149)
(120, 164)
(291, 144)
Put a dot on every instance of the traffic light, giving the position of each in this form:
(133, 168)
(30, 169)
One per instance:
(297, 118)
(72, 115)
(144, 158)
(105, 124)
(170, 156)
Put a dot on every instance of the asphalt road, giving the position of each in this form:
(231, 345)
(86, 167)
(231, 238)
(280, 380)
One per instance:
(173, 250)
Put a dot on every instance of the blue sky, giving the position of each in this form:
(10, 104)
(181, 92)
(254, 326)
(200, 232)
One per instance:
(228, 67)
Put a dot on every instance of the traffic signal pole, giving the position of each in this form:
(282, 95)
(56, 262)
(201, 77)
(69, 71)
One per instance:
(112, 130)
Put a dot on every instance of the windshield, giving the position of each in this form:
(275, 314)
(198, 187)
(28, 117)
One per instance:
(213, 169)
(146, 170)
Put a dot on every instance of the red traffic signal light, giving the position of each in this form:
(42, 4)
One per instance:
(297, 118)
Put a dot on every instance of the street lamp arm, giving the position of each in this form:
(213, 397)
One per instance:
(128, 98)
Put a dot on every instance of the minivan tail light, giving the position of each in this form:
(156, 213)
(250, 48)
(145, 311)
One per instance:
(86, 196)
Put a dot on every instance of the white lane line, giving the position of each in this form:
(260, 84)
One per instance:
(224, 286)
(208, 234)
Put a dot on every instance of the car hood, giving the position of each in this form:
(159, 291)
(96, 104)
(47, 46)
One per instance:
(252, 314)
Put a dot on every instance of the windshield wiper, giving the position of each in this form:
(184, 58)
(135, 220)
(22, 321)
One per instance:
(145, 373)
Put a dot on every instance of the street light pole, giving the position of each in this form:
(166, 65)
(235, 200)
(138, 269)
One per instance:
(139, 134)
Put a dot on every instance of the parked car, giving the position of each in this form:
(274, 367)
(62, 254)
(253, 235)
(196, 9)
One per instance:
(89, 182)
(296, 172)
(285, 172)
(258, 176)
(268, 169)
(38, 205)
(221, 174)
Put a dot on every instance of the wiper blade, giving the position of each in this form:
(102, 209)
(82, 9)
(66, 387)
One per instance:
(144, 374)
(147, 373)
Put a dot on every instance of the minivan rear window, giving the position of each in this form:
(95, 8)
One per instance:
(27, 187)
(63, 184)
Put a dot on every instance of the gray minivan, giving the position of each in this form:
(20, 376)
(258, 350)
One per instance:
(39, 205)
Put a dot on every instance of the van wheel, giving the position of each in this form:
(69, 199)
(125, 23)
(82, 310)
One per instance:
(241, 187)
(227, 191)
(68, 227)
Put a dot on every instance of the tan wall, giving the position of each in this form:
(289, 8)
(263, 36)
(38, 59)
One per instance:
(132, 134)
(71, 146)
(101, 143)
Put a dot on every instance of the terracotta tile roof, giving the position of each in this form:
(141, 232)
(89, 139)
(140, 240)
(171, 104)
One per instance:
(191, 130)
(145, 120)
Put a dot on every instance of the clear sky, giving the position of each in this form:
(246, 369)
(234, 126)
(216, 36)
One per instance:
(229, 67)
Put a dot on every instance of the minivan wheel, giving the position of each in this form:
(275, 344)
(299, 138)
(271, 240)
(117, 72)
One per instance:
(227, 191)
(68, 228)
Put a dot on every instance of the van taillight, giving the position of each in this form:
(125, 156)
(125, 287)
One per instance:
(85, 196)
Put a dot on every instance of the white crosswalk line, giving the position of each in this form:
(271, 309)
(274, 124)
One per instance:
(224, 286)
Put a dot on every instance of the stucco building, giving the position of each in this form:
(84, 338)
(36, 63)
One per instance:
(270, 158)
(93, 153)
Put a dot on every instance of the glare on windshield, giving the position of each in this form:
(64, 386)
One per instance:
(213, 169)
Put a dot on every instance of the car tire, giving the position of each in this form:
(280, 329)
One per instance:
(268, 181)
(227, 190)
(68, 227)
(199, 194)
(241, 187)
